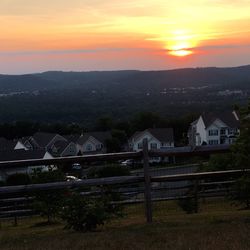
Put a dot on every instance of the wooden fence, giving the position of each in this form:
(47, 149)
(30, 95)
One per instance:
(15, 200)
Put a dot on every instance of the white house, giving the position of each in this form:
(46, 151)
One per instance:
(158, 138)
(93, 142)
(211, 129)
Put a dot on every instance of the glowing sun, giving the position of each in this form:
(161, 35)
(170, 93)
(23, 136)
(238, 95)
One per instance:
(181, 44)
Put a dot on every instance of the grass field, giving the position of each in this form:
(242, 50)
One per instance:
(217, 226)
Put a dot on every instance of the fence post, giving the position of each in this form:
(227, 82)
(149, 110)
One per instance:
(147, 182)
(196, 197)
(15, 218)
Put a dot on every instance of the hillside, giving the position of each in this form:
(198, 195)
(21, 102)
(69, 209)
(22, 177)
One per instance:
(86, 96)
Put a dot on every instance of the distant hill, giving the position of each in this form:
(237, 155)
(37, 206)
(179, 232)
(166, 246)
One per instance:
(85, 96)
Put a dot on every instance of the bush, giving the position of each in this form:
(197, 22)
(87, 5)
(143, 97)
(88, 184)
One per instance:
(241, 191)
(219, 162)
(18, 179)
(188, 204)
(85, 214)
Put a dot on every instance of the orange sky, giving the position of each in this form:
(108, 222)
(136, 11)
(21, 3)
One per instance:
(107, 35)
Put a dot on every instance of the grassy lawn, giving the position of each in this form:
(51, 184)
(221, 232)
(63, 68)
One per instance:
(217, 226)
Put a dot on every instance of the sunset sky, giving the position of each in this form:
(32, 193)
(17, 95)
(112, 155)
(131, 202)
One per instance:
(83, 35)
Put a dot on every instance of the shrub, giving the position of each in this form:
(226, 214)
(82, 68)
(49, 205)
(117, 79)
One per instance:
(241, 191)
(85, 214)
(188, 204)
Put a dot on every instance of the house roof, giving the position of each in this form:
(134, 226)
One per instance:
(72, 138)
(100, 136)
(21, 154)
(7, 144)
(161, 134)
(43, 139)
(227, 117)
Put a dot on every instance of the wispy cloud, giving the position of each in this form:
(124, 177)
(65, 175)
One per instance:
(117, 50)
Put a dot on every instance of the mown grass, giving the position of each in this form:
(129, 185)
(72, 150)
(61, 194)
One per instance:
(217, 226)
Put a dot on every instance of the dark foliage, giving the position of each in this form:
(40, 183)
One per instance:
(189, 205)
(240, 193)
(85, 214)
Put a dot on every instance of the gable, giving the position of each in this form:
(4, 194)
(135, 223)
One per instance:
(68, 147)
(217, 124)
(92, 140)
(20, 145)
(145, 135)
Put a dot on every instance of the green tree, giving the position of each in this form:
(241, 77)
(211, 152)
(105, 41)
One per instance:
(104, 123)
(241, 148)
(115, 144)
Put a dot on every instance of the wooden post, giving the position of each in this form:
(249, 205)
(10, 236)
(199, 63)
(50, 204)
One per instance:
(147, 182)
(15, 218)
(196, 197)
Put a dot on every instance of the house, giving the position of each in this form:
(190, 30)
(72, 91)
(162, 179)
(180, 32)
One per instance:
(93, 142)
(158, 138)
(18, 155)
(210, 129)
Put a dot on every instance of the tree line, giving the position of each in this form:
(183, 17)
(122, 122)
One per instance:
(121, 128)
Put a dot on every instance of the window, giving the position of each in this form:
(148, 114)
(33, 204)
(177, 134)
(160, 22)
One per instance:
(213, 142)
(153, 145)
(89, 147)
(223, 131)
(232, 131)
(212, 132)
(99, 146)
(139, 145)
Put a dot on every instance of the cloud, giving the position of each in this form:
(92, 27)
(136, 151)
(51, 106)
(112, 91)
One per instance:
(69, 51)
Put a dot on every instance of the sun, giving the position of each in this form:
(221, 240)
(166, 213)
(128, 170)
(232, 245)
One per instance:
(182, 52)
(181, 44)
